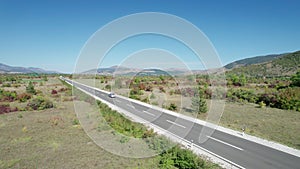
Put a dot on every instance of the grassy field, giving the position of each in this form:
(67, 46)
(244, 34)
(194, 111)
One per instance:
(53, 138)
(49, 139)
(281, 126)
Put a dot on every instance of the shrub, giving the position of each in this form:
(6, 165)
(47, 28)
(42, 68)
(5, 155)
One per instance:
(152, 96)
(108, 87)
(4, 108)
(172, 107)
(180, 158)
(262, 104)
(53, 91)
(161, 88)
(24, 97)
(75, 121)
(149, 88)
(158, 143)
(242, 95)
(136, 91)
(6, 85)
(40, 103)
(296, 79)
(16, 85)
(121, 124)
(146, 100)
(30, 88)
(142, 86)
(8, 95)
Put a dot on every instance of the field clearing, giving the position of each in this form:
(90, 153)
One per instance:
(278, 125)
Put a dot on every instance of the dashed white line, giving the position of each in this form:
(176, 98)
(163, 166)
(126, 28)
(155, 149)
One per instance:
(175, 123)
(148, 113)
(226, 143)
(131, 106)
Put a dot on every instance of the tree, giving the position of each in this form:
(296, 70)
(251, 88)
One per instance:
(296, 79)
(199, 102)
(45, 78)
(30, 88)
(243, 80)
(235, 79)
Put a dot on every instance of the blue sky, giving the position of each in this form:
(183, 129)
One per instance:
(50, 34)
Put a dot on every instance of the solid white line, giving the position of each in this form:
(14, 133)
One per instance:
(225, 143)
(175, 123)
(130, 106)
(218, 156)
(148, 113)
(172, 134)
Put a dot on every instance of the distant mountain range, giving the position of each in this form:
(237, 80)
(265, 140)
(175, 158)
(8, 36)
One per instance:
(14, 70)
(269, 66)
(119, 70)
(253, 60)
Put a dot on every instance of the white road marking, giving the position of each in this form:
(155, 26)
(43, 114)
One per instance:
(131, 106)
(148, 113)
(175, 123)
(225, 143)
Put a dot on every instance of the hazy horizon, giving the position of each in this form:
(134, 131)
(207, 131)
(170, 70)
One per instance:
(51, 34)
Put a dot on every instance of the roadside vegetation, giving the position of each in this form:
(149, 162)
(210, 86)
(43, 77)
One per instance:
(52, 137)
(12, 92)
(172, 156)
(249, 100)
(37, 109)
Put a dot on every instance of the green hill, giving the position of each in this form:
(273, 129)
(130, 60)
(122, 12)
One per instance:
(282, 66)
(253, 60)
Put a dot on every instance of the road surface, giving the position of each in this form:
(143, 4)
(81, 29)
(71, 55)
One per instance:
(241, 152)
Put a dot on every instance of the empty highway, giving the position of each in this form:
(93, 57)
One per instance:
(244, 153)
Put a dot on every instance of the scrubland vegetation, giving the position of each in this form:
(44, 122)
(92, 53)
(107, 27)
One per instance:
(44, 132)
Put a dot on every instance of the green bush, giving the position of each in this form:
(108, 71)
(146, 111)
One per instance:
(181, 159)
(296, 79)
(121, 124)
(242, 94)
(108, 87)
(40, 103)
(158, 143)
(9, 96)
(75, 121)
(30, 88)
(172, 107)
(24, 97)
(286, 98)
(6, 85)
(136, 91)
(262, 104)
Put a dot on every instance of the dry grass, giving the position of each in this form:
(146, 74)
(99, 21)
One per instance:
(48, 139)
(282, 126)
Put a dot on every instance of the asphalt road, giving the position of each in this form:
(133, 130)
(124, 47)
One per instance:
(245, 153)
